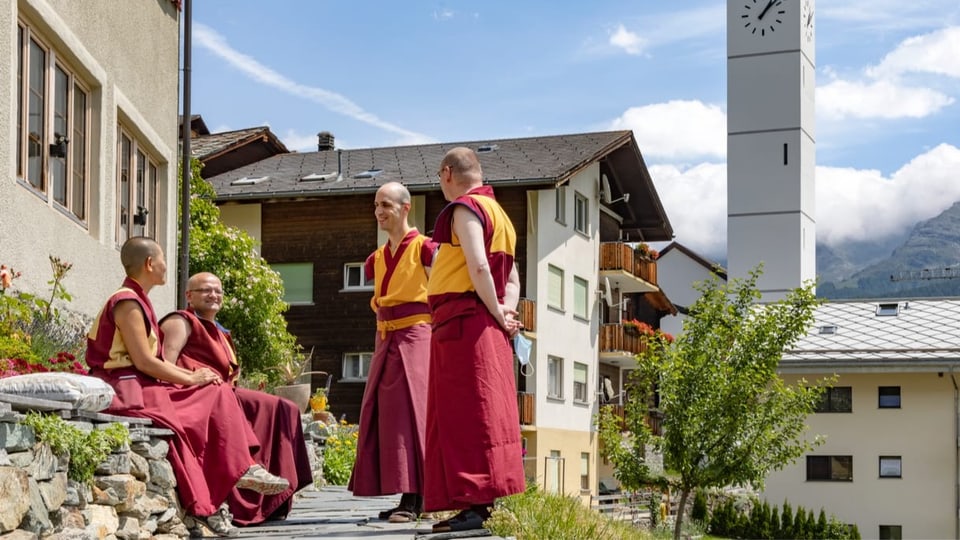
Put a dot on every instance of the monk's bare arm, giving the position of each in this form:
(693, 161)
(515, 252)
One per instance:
(175, 331)
(469, 230)
(129, 320)
(511, 295)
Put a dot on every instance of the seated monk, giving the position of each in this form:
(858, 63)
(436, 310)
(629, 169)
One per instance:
(195, 340)
(212, 447)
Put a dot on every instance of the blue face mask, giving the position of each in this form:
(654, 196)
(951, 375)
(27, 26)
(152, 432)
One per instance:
(523, 346)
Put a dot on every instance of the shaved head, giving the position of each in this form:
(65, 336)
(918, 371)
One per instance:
(200, 277)
(464, 165)
(396, 192)
(135, 252)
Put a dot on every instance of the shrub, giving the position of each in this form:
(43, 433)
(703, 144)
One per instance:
(699, 510)
(340, 453)
(86, 449)
(537, 515)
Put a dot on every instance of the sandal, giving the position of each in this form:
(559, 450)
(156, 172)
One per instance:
(402, 516)
(385, 515)
(466, 520)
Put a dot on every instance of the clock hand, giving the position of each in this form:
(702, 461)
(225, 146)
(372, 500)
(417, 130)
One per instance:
(809, 18)
(766, 9)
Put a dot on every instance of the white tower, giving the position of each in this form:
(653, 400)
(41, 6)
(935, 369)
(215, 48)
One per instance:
(770, 142)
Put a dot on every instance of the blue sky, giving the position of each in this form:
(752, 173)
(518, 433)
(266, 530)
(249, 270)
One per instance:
(391, 73)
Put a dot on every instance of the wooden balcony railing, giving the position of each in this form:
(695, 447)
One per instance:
(653, 419)
(622, 256)
(615, 338)
(525, 405)
(528, 314)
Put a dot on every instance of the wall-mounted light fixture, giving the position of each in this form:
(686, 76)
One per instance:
(59, 146)
(140, 218)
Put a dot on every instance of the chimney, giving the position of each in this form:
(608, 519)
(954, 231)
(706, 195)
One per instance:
(324, 141)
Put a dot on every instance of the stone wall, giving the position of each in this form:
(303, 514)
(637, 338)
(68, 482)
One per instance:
(132, 495)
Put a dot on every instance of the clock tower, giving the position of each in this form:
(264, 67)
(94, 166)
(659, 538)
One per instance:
(770, 143)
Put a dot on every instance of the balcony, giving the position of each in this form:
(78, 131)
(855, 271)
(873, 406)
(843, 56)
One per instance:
(525, 405)
(527, 310)
(653, 419)
(617, 341)
(632, 273)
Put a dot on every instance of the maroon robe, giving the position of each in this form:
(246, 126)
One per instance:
(275, 421)
(208, 452)
(393, 411)
(473, 447)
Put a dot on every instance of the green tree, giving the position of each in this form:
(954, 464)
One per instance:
(253, 305)
(786, 521)
(728, 417)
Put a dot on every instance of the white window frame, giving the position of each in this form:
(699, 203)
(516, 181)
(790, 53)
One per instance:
(581, 393)
(361, 360)
(552, 273)
(39, 173)
(366, 282)
(554, 377)
(304, 299)
(581, 298)
(581, 213)
(584, 472)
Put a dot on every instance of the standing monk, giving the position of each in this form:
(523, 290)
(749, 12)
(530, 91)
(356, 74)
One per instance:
(393, 414)
(212, 444)
(194, 339)
(474, 450)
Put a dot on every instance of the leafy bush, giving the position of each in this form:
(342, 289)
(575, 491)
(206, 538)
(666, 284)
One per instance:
(699, 510)
(340, 453)
(537, 515)
(86, 449)
(35, 336)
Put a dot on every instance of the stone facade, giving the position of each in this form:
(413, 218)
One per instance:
(132, 496)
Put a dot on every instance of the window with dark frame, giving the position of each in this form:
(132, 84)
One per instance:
(838, 399)
(136, 189)
(830, 468)
(888, 397)
(561, 204)
(580, 383)
(356, 366)
(554, 377)
(891, 532)
(890, 467)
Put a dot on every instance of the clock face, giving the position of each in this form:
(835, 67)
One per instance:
(762, 18)
(806, 20)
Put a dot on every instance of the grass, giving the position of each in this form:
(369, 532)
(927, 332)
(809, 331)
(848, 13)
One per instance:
(536, 515)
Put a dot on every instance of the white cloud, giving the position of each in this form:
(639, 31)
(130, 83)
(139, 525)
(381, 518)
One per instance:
(215, 43)
(443, 14)
(937, 52)
(677, 129)
(300, 142)
(627, 40)
(852, 204)
(888, 15)
(864, 205)
(877, 99)
(695, 199)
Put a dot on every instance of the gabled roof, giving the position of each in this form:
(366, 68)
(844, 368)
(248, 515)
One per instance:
(533, 161)
(917, 335)
(696, 257)
(205, 147)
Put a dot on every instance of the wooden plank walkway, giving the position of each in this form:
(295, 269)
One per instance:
(333, 512)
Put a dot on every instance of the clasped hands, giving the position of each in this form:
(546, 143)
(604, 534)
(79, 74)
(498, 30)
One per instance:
(507, 318)
(202, 376)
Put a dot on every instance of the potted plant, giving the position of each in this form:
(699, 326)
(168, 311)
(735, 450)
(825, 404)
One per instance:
(319, 405)
(293, 367)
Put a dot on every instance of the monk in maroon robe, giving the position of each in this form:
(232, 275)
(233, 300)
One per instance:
(393, 413)
(212, 444)
(474, 449)
(194, 339)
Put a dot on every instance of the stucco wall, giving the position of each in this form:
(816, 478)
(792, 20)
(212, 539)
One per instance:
(126, 54)
(923, 432)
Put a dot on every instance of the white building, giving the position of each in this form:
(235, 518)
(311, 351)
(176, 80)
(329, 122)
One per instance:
(90, 148)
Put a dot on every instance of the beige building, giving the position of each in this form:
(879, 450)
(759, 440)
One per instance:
(89, 102)
(890, 459)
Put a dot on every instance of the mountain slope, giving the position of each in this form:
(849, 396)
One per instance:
(934, 243)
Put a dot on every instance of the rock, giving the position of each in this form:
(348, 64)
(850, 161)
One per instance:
(124, 487)
(155, 449)
(115, 464)
(139, 467)
(14, 484)
(161, 474)
(20, 534)
(37, 518)
(102, 521)
(129, 528)
(54, 491)
(16, 437)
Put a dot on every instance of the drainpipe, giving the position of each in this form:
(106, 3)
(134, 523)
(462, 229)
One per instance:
(956, 451)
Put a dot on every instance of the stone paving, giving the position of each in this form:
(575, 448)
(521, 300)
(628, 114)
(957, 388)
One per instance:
(333, 512)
